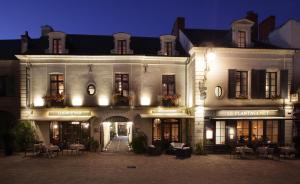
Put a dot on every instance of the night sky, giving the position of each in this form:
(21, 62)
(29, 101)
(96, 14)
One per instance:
(137, 17)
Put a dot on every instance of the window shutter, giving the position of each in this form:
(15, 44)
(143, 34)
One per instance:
(254, 84)
(262, 84)
(284, 83)
(231, 83)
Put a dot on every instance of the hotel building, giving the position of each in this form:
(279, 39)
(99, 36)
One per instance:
(213, 87)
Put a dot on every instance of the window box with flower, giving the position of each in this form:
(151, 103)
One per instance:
(54, 100)
(170, 100)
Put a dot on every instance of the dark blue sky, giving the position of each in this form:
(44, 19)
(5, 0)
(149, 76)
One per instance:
(137, 17)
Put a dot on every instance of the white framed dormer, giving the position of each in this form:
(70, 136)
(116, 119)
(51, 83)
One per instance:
(241, 33)
(168, 45)
(57, 43)
(121, 44)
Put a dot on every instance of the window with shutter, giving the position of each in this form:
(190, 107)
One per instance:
(284, 83)
(231, 83)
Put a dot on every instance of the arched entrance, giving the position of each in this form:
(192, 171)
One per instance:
(117, 133)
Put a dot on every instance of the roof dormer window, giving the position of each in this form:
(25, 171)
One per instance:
(57, 46)
(167, 45)
(241, 33)
(121, 44)
(241, 39)
(57, 43)
(121, 47)
(168, 48)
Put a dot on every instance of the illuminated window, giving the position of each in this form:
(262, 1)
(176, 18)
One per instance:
(220, 132)
(231, 133)
(56, 84)
(168, 85)
(241, 88)
(168, 48)
(243, 131)
(257, 130)
(57, 46)
(242, 39)
(121, 47)
(272, 131)
(271, 84)
(156, 129)
(122, 84)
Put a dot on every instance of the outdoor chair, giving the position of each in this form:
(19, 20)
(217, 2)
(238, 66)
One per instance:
(173, 147)
(154, 150)
(185, 152)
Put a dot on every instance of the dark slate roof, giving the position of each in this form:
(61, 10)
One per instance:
(218, 38)
(8, 49)
(100, 45)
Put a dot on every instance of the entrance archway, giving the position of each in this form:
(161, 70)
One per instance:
(117, 130)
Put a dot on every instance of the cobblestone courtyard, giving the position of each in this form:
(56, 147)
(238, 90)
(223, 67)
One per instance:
(113, 168)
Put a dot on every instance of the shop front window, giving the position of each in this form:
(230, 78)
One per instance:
(243, 131)
(220, 132)
(272, 131)
(257, 130)
(69, 132)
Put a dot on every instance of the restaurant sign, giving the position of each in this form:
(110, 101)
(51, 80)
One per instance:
(70, 113)
(246, 113)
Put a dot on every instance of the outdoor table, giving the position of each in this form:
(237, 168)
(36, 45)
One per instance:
(244, 150)
(287, 151)
(264, 151)
(77, 147)
(50, 149)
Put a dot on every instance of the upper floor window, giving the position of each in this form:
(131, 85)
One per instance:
(168, 85)
(241, 39)
(169, 48)
(241, 87)
(121, 47)
(57, 86)
(271, 84)
(57, 46)
(122, 84)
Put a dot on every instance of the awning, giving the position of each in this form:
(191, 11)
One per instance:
(167, 115)
(58, 119)
(266, 117)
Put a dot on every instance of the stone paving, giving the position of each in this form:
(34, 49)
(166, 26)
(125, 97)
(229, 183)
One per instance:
(118, 144)
(129, 168)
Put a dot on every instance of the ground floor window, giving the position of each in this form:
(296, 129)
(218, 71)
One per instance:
(166, 130)
(243, 131)
(257, 130)
(272, 130)
(220, 132)
(69, 132)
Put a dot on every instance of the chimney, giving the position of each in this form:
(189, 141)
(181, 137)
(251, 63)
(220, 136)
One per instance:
(45, 30)
(266, 27)
(24, 42)
(179, 24)
(251, 15)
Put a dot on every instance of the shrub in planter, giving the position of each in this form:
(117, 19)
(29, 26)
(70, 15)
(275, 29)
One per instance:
(296, 141)
(24, 135)
(93, 145)
(199, 149)
(139, 143)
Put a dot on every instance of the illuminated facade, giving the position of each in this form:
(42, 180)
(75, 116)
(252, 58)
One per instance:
(238, 88)
(78, 87)
(213, 87)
